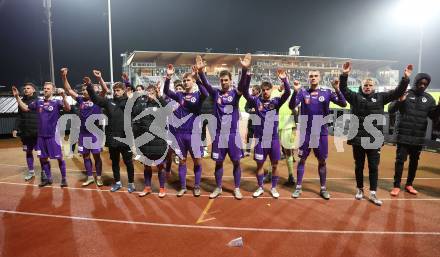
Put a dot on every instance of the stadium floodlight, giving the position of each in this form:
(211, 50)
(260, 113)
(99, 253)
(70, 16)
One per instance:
(418, 13)
(110, 40)
(47, 4)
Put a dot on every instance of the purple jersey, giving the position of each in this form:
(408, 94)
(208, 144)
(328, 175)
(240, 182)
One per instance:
(316, 102)
(86, 108)
(226, 109)
(271, 107)
(189, 104)
(48, 115)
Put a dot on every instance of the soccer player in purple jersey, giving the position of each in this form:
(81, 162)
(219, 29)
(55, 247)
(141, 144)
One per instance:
(178, 87)
(27, 125)
(315, 104)
(267, 109)
(48, 142)
(86, 109)
(190, 103)
(226, 110)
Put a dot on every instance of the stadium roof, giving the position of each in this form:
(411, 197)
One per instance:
(187, 58)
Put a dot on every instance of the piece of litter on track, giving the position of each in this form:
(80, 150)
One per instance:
(237, 242)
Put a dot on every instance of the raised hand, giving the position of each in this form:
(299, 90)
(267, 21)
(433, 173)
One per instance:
(296, 85)
(124, 76)
(87, 80)
(15, 91)
(97, 74)
(64, 72)
(335, 84)
(346, 68)
(408, 71)
(246, 61)
(170, 71)
(194, 70)
(200, 64)
(281, 74)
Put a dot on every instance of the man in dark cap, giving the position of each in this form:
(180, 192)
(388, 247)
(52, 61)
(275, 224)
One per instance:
(414, 108)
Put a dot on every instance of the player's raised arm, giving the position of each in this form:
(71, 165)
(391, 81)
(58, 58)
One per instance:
(24, 107)
(66, 84)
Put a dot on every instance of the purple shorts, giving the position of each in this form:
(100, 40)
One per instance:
(321, 151)
(29, 143)
(86, 147)
(186, 145)
(227, 144)
(272, 148)
(47, 147)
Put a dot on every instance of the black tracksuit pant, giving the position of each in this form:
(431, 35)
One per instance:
(115, 153)
(373, 156)
(402, 152)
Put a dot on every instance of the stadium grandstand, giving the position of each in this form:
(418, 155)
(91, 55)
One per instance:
(146, 67)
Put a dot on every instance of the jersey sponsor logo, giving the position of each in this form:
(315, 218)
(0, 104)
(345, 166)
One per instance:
(424, 100)
(373, 100)
(321, 98)
(412, 98)
(314, 93)
(307, 99)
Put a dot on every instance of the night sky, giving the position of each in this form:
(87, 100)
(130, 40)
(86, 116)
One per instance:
(338, 28)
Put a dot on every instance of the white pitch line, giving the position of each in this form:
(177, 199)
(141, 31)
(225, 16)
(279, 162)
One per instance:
(226, 176)
(221, 196)
(276, 230)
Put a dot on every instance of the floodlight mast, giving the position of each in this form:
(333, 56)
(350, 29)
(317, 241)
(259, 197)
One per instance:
(48, 5)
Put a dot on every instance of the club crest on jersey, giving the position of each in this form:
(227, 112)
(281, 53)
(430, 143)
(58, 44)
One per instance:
(50, 108)
(193, 99)
(271, 106)
(373, 100)
(230, 98)
(424, 100)
(321, 98)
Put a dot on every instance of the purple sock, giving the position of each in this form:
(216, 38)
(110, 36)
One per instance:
(147, 176)
(30, 160)
(62, 165)
(237, 175)
(274, 181)
(182, 175)
(218, 175)
(300, 172)
(260, 180)
(45, 166)
(98, 164)
(88, 166)
(197, 175)
(161, 177)
(322, 169)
